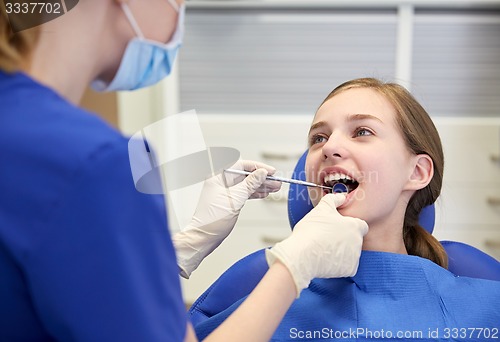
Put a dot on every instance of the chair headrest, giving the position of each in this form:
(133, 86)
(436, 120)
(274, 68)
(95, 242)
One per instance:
(299, 203)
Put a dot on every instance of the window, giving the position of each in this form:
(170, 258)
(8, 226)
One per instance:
(284, 60)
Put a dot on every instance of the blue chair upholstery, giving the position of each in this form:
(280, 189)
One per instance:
(239, 280)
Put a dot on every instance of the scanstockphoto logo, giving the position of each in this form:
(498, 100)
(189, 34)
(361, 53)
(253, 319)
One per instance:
(171, 157)
(23, 15)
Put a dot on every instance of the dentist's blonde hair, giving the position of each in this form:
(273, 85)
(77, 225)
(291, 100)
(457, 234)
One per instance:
(421, 137)
(15, 48)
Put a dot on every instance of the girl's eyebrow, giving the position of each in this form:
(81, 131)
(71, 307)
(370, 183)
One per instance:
(359, 117)
(350, 118)
(317, 125)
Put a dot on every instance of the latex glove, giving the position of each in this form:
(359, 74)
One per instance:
(217, 211)
(324, 244)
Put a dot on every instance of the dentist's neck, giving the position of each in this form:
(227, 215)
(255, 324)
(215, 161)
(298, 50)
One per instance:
(75, 48)
(57, 63)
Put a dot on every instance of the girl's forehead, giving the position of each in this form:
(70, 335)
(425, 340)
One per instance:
(357, 101)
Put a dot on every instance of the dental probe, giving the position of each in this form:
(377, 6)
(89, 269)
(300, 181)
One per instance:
(339, 187)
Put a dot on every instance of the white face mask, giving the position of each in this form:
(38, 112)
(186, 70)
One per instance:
(145, 62)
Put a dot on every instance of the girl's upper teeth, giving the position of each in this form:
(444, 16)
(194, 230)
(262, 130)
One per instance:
(335, 177)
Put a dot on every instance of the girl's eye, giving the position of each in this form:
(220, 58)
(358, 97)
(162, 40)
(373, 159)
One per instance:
(317, 139)
(362, 132)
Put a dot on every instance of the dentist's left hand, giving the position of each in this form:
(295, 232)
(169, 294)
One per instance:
(217, 211)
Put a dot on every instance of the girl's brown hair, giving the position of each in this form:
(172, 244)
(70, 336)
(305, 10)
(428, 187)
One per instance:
(15, 48)
(421, 137)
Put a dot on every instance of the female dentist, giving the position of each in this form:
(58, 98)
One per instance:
(83, 255)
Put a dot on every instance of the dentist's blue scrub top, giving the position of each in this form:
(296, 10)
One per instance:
(83, 255)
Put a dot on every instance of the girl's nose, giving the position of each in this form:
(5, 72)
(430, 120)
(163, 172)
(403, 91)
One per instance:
(335, 147)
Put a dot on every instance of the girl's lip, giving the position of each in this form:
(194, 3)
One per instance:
(348, 199)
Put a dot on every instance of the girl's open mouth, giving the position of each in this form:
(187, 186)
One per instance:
(331, 180)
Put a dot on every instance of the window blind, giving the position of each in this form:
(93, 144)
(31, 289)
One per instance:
(456, 63)
(241, 61)
(280, 61)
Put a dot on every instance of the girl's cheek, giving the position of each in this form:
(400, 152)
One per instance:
(309, 172)
(315, 195)
(312, 168)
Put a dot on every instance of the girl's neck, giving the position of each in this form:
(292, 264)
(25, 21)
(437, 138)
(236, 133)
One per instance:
(385, 237)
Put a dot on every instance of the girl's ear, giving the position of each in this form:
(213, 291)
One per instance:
(423, 171)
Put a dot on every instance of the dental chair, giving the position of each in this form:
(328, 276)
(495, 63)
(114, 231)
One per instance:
(241, 278)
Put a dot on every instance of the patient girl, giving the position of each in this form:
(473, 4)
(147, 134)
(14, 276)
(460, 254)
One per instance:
(378, 140)
(382, 141)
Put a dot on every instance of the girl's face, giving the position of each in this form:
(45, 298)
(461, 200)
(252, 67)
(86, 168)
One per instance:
(354, 135)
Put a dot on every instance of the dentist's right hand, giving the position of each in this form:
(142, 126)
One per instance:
(324, 244)
(219, 206)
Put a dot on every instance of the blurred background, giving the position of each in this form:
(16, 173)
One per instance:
(256, 71)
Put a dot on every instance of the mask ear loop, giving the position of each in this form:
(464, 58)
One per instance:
(131, 20)
(174, 4)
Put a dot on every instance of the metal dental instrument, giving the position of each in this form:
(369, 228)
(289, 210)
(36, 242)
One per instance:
(335, 188)
(340, 187)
